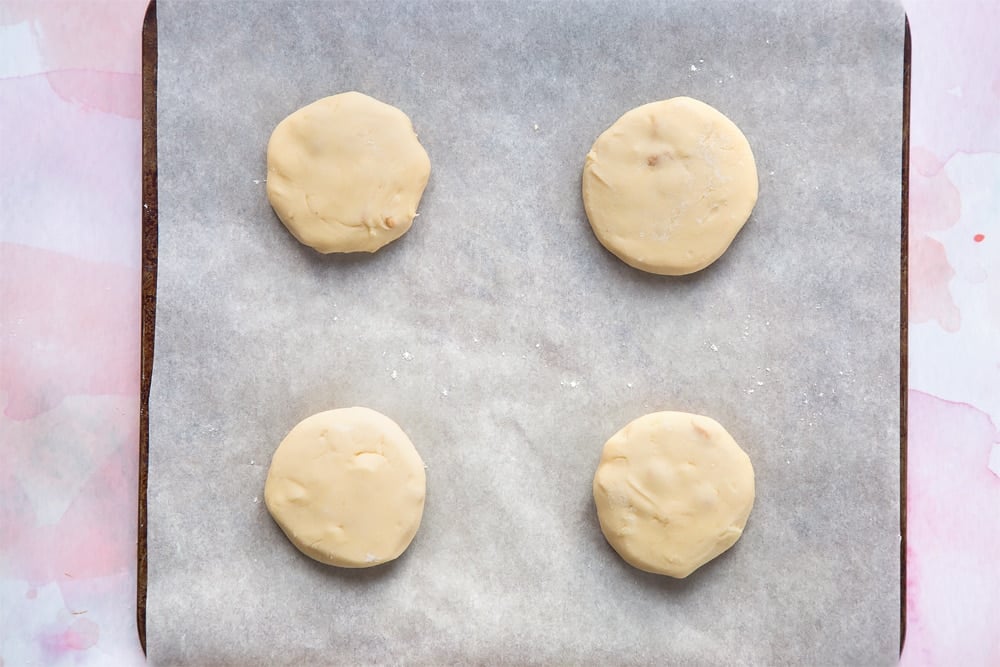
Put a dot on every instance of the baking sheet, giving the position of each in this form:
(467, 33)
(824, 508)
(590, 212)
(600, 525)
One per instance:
(509, 345)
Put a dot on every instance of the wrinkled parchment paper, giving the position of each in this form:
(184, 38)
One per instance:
(510, 345)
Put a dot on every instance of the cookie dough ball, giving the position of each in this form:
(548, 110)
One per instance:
(673, 491)
(669, 185)
(347, 487)
(346, 173)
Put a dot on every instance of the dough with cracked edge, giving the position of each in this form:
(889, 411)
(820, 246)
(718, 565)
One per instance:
(346, 173)
(347, 487)
(673, 491)
(669, 185)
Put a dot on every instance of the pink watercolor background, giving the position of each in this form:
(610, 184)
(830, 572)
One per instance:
(69, 328)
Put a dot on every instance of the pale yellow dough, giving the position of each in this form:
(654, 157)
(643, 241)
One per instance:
(347, 487)
(669, 185)
(673, 491)
(346, 173)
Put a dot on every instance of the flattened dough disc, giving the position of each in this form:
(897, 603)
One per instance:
(673, 491)
(346, 173)
(347, 487)
(669, 185)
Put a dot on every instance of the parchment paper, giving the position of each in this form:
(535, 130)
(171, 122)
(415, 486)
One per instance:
(510, 345)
